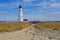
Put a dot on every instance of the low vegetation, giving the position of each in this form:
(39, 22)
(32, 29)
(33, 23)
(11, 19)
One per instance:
(7, 27)
(49, 25)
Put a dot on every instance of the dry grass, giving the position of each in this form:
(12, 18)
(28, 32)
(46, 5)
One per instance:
(7, 27)
(49, 25)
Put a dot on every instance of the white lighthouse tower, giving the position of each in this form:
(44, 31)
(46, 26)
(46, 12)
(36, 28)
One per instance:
(20, 14)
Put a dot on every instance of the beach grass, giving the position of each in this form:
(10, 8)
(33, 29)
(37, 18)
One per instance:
(12, 26)
(49, 25)
(7, 27)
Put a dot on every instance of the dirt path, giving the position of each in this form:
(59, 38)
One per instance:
(31, 33)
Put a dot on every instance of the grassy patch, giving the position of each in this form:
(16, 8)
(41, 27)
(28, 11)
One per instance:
(49, 25)
(7, 27)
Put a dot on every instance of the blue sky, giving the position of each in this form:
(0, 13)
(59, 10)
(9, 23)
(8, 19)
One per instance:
(42, 10)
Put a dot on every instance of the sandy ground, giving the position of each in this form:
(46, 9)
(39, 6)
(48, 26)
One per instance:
(31, 33)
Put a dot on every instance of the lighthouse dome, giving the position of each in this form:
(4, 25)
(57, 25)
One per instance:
(20, 6)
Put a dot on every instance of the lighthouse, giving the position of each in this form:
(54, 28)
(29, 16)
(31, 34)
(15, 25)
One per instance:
(20, 14)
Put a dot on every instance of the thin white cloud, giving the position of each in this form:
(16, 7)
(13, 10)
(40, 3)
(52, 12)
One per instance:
(28, 0)
(55, 5)
(53, 0)
(9, 5)
(44, 4)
